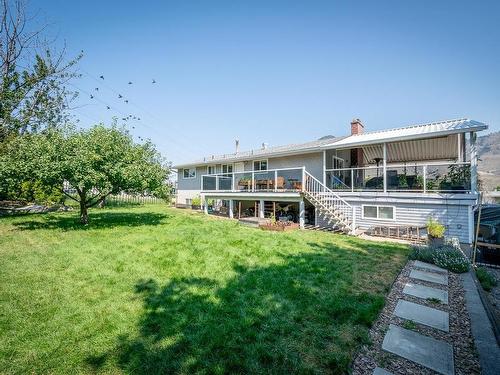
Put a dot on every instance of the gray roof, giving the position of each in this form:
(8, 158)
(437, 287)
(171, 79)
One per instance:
(439, 128)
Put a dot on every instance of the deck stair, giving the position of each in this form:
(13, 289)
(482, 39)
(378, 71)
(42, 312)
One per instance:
(330, 205)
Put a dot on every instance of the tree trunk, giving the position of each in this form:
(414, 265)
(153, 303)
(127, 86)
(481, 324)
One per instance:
(84, 216)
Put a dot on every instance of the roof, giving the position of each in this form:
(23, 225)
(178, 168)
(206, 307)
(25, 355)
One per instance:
(413, 132)
(433, 129)
(294, 148)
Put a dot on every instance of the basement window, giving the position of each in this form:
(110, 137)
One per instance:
(379, 212)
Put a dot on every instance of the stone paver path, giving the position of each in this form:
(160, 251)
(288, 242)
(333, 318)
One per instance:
(426, 292)
(422, 314)
(427, 351)
(432, 277)
(381, 371)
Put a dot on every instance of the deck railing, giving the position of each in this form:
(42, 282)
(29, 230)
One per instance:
(409, 177)
(283, 179)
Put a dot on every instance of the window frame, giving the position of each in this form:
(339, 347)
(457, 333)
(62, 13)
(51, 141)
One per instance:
(214, 166)
(188, 178)
(227, 165)
(336, 158)
(260, 161)
(378, 212)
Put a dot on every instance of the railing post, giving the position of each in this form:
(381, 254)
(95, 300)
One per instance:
(303, 178)
(275, 180)
(424, 171)
(384, 174)
(253, 181)
(217, 183)
(352, 180)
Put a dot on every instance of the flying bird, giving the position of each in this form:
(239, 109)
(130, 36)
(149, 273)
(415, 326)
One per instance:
(153, 81)
(120, 96)
(124, 118)
(138, 118)
(91, 96)
(101, 77)
(96, 89)
(129, 82)
(126, 101)
(108, 107)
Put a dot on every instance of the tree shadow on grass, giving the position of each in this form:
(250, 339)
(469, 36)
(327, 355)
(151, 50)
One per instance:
(302, 315)
(97, 220)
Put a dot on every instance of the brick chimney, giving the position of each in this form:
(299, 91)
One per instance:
(357, 127)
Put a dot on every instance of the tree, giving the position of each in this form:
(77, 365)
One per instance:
(33, 91)
(95, 162)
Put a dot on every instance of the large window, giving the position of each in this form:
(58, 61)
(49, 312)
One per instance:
(227, 168)
(379, 212)
(260, 165)
(189, 173)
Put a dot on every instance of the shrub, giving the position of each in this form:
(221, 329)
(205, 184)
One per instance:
(196, 201)
(486, 279)
(422, 253)
(435, 228)
(445, 256)
(451, 259)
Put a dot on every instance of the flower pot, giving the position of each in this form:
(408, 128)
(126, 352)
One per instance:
(435, 241)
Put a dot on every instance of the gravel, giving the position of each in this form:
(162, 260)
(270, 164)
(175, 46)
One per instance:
(465, 354)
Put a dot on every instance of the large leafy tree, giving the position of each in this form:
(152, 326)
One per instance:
(94, 162)
(33, 80)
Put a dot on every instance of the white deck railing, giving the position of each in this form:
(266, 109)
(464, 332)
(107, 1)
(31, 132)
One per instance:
(277, 180)
(409, 177)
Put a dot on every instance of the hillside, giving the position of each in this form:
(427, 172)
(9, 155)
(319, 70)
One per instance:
(489, 160)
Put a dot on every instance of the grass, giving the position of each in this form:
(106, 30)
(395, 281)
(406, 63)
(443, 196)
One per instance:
(486, 279)
(155, 290)
(409, 324)
(434, 300)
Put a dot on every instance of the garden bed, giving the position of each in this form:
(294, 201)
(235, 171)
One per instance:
(279, 227)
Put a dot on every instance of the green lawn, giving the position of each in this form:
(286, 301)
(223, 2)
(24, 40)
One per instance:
(157, 290)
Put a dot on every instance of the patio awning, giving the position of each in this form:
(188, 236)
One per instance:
(442, 148)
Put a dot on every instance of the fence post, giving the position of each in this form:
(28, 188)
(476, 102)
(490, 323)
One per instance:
(352, 180)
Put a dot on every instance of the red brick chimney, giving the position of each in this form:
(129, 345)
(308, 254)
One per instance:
(357, 127)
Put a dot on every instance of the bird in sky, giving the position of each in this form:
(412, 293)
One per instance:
(96, 89)
(101, 77)
(126, 101)
(138, 118)
(108, 107)
(124, 118)
(129, 82)
(91, 96)
(120, 96)
(153, 81)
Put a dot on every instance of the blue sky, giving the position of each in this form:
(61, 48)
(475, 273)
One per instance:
(279, 71)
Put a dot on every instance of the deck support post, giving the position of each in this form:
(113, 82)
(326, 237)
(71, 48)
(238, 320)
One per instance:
(205, 205)
(473, 163)
(353, 223)
(302, 214)
(261, 208)
(384, 174)
(231, 213)
(324, 167)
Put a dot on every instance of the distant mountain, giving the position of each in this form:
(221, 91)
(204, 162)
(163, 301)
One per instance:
(489, 160)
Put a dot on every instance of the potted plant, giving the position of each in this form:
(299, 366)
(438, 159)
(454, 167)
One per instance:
(196, 203)
(402, 181)
(435, 232)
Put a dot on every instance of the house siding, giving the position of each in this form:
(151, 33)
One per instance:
(313, 163)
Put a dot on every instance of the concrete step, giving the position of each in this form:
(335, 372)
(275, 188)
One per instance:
(426, 351)
(425, 292)
(432, 277)
(422, 314)
(429, 267)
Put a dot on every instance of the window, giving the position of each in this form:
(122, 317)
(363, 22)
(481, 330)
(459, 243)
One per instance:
(260, 165)
(379, 212)
(227, 168)
(189, 201)
(189, 173)
(338, 163)
(211, 169)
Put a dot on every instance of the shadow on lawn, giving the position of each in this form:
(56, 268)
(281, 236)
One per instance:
(302, 315)
(97, 220)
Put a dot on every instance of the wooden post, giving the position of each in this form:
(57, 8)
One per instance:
(239, 209)
(274, 209)
(255, 208)
(231, 214)
(261, 208)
